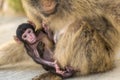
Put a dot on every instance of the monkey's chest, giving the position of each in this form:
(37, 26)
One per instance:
(43, 51)
(40, 48)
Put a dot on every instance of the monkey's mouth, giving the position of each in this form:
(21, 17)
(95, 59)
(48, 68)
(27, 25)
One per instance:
(50, 7)
(33, 41)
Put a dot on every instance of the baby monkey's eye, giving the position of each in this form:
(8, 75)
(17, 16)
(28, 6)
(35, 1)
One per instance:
(24, 36)
(29, 31)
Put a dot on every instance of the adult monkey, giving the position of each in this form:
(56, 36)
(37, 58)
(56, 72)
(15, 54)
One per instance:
(91, 31)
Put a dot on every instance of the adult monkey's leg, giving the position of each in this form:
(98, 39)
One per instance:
(82, 48)
(12, 52)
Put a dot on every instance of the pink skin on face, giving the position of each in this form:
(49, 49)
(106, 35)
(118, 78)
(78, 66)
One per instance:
(29, 36)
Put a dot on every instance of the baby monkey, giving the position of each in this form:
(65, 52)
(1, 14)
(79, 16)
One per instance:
(39, 45)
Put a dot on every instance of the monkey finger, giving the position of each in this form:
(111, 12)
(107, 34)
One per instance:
(60, 72)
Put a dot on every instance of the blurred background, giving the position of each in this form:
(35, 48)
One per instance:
(11, 15)
(13, 7)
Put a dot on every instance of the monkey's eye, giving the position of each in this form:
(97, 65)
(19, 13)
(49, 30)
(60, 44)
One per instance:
(24, 36)
(29, 31)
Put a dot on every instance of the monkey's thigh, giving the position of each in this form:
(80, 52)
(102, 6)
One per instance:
(47, 76)
(84, 50)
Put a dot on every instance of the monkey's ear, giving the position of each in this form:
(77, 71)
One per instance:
(16, 39)
(30, 22)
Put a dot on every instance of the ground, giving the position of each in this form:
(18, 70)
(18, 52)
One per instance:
(8, 26)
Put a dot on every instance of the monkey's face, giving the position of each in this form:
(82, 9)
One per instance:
(48, 6)
(29, 36)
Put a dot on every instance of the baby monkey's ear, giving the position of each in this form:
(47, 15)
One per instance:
(30, 22)
(16, 39)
